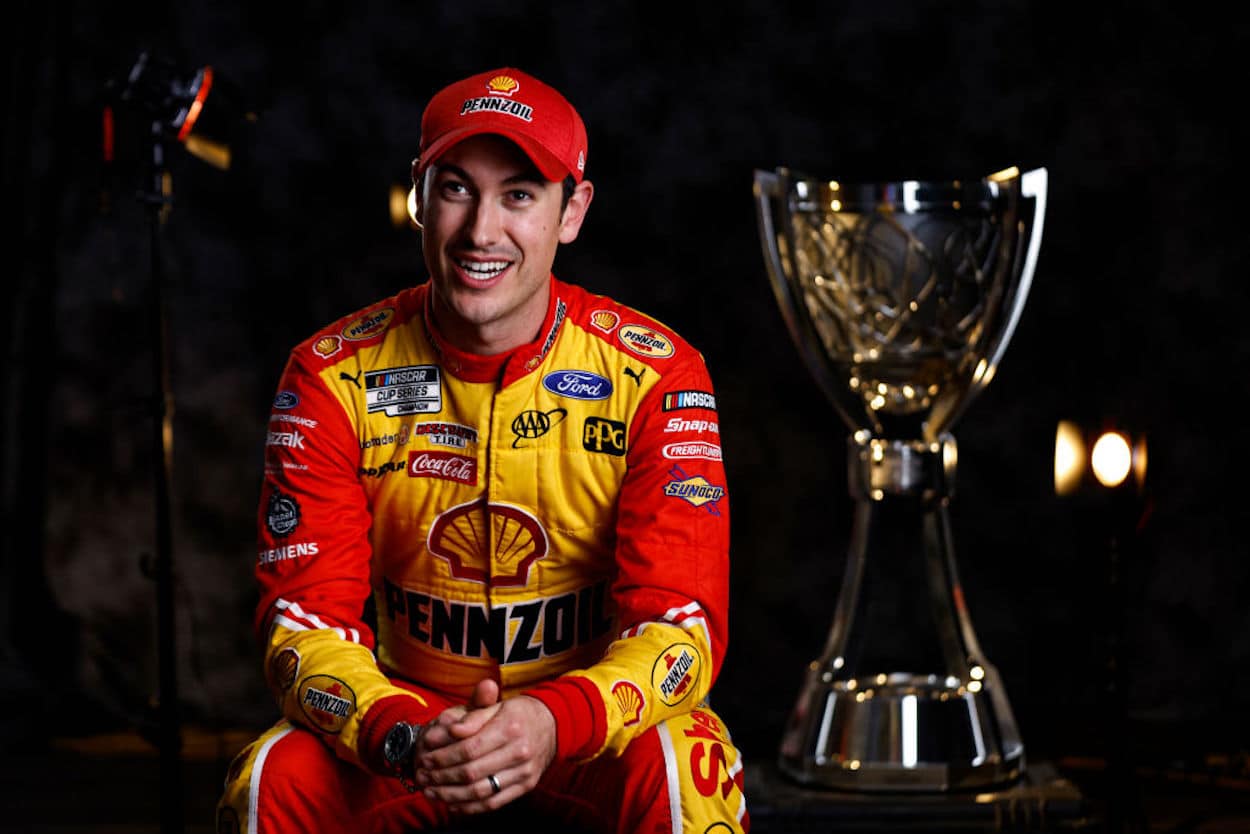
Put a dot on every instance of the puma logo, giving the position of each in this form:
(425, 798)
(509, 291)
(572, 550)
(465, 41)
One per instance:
(636, 376)
(354, 380)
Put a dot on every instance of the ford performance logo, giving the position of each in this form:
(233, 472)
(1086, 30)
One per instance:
(580, 385)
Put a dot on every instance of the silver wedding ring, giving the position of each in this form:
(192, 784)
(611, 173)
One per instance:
(494, 783)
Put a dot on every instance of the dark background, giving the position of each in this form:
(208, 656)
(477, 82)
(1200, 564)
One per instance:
(1135, 317)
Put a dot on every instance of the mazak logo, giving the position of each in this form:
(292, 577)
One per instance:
(579, 385)
(694, 489)
(606, 436)
(446, 466)
(290, 439)
(368, 325)
(645, 341)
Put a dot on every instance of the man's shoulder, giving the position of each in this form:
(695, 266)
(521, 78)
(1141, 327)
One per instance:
(361, 328)
(624, 327)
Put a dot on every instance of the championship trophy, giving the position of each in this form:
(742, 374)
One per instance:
(901, 297)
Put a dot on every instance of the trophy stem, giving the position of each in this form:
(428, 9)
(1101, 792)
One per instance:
(902, 698)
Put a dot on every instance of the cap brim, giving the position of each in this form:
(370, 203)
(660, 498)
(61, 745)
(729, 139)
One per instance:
(547, 163)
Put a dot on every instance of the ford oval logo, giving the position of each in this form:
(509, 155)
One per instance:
(580, 385)
(285, 400)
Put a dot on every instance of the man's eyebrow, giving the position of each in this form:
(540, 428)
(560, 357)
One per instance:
(531, 176)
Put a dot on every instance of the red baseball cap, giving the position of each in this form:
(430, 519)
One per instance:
(512, 104)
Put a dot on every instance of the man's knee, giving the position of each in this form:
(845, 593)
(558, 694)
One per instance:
(280, 777)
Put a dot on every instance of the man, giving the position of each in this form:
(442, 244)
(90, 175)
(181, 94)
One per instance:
(525, 480)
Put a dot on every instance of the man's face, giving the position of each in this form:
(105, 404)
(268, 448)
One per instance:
(491, 227)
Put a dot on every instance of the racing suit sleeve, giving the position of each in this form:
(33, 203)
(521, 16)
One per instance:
(313, 574)
(672, 586)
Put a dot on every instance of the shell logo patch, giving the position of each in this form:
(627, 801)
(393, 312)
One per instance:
(368, 325)
(502, 85)
(327, 346)
(327, 702)
(461, 536)
(675, 672)
(283, 669)
(645, 341)
(605, 320)
(631, 701)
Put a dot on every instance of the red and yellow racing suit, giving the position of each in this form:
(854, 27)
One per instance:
(555, 519)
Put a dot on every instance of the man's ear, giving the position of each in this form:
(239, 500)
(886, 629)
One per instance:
(416, 205)
(575, 211)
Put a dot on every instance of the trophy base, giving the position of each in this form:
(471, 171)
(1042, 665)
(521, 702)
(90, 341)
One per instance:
(1042, 801)
(902, 733)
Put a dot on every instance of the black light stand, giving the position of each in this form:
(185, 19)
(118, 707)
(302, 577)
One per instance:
(1103, 470)
(174, 102)
(159, 201)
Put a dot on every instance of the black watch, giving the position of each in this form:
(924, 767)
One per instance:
(398, 749)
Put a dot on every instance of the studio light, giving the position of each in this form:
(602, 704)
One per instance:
(198, 108)
(1088, 457)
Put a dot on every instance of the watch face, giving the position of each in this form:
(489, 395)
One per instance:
(399, 742)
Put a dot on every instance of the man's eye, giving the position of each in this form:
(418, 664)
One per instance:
(520, 196)
(453, 187)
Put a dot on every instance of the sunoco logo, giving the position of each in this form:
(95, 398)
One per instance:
(645, 341)
(694, 489)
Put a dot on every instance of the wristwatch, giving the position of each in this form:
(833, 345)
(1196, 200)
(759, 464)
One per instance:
(398, 749)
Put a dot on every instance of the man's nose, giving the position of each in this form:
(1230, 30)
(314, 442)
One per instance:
(485, 223)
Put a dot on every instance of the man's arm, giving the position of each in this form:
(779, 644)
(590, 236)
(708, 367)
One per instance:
(313, 568)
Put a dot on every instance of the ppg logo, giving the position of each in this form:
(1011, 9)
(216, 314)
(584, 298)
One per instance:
(606, 436)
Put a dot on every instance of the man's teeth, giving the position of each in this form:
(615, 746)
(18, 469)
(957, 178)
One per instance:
(484, 271)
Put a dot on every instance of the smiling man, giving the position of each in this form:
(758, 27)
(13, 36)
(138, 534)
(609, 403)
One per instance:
(496, 568)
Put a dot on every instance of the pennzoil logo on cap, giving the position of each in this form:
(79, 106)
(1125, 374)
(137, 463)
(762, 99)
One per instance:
(500, 89)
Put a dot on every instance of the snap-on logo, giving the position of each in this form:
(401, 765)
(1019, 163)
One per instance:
(579, 385)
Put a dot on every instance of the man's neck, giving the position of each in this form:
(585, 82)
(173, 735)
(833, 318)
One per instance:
(494, 337)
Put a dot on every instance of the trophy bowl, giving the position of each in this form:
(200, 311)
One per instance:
(901, 297)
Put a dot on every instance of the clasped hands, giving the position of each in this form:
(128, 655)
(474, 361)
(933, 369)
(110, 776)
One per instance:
(483, 755)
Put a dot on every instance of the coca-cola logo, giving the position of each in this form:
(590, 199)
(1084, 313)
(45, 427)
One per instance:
(445, 465)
